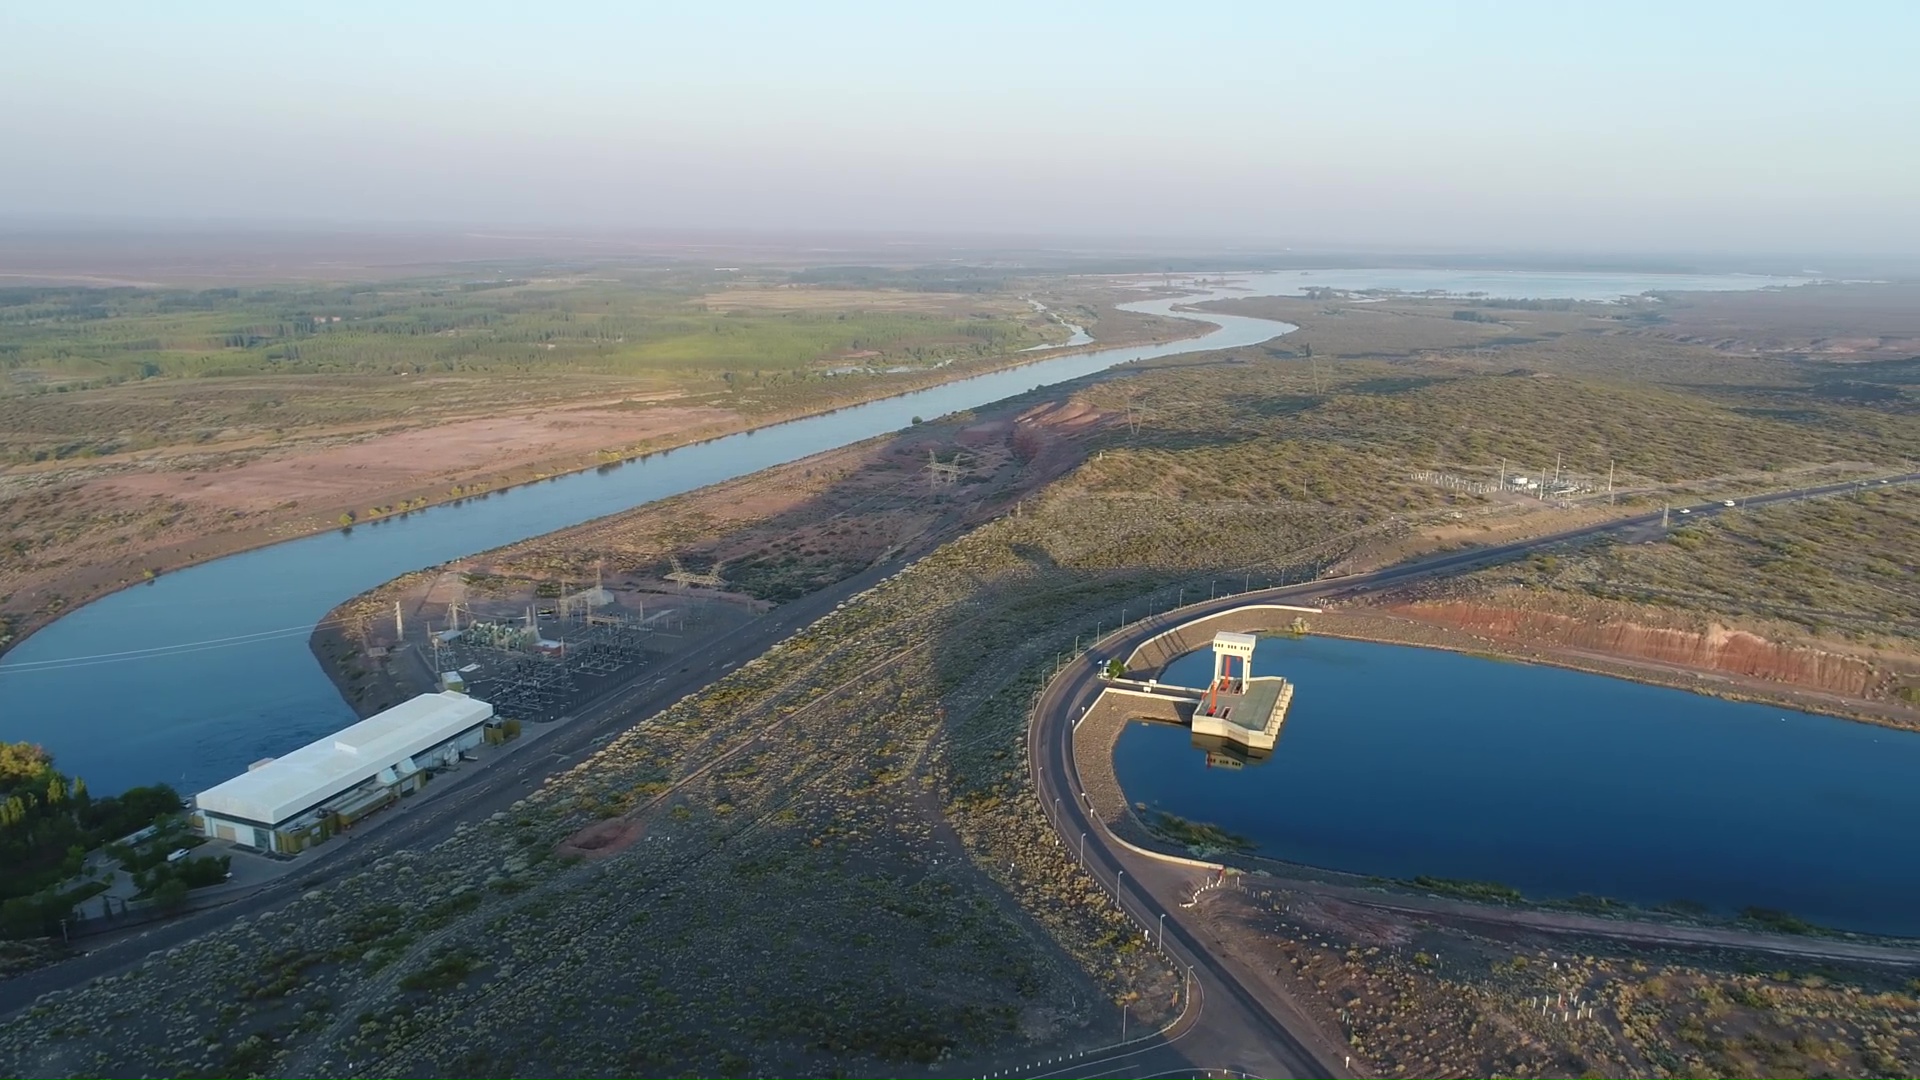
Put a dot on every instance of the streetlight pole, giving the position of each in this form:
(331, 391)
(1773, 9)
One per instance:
(1163, 932)
(1083, 849)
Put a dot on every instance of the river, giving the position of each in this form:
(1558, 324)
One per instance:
(189, 677)
(1399, 762)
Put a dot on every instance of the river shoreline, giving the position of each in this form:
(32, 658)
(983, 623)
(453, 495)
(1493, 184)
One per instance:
(197, 552)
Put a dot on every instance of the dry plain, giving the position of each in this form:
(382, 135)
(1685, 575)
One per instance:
(181, 429)
(869, 774)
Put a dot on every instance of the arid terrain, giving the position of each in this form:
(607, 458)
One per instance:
(221, 434)
(833, 854)
(1435, 995)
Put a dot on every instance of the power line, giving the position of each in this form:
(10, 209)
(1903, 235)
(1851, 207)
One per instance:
(164, 650)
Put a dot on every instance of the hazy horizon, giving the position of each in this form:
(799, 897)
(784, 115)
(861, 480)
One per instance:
(1738, 129)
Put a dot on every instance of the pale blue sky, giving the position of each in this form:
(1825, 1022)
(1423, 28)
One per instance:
(1739, 126)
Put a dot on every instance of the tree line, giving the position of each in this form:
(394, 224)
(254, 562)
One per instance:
(48, 823)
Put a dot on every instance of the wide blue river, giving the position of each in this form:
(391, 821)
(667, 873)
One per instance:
(1400, 762)
(190, 677)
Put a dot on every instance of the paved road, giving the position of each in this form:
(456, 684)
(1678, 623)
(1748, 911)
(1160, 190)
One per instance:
(1236, 1029)
(1239, 1044)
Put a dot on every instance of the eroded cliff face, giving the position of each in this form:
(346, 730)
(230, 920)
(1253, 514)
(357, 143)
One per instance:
(1715, 648)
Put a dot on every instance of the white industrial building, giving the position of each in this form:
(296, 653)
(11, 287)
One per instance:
(287, 803)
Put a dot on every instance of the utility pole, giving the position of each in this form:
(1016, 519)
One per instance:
(1503, 474)
(399, 627)
(1665, 509)
(1609, 481)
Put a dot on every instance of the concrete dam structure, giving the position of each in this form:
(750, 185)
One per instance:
(1237, 706)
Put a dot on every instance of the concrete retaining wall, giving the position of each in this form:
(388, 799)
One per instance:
(1156, 652)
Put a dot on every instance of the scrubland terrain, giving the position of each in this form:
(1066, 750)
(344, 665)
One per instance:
(832, 860)
(1814, 602)
(1818, 596)
(1435, 996)
(143, 430)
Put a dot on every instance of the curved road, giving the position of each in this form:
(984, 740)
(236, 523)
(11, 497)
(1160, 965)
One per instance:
(1232, 1026)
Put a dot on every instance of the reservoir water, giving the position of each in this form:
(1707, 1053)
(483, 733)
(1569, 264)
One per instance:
(188, 678)
(1399, 762)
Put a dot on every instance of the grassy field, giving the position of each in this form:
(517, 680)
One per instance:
(676, 331)
(145, 429)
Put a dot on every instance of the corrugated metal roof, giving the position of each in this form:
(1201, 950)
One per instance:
(325, 767)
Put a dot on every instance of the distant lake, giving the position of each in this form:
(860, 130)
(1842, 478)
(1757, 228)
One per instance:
(1399, 762)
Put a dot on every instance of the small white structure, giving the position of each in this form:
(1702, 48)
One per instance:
(1228, 647)
(284, 804)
